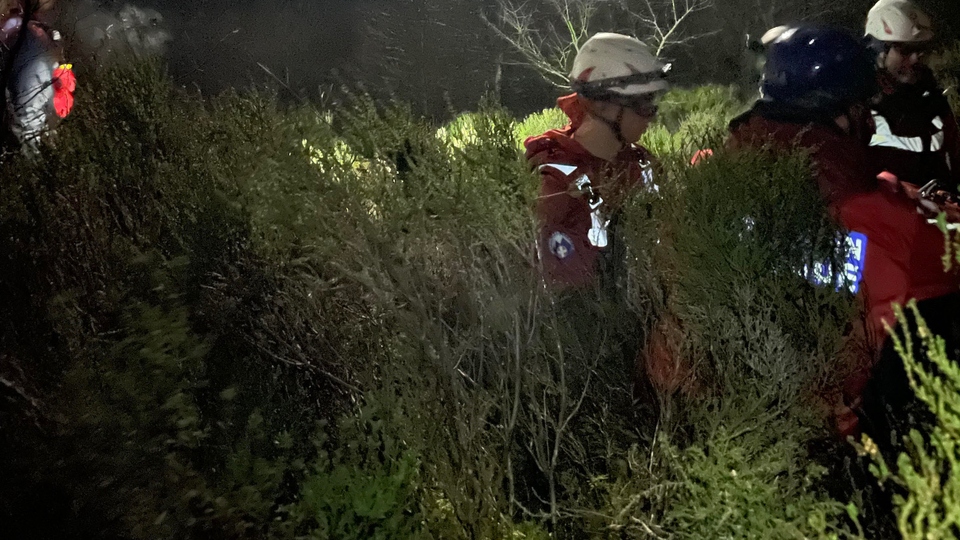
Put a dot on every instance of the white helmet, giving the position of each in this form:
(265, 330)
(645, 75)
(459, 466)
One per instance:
(613, 65)
(898, 21)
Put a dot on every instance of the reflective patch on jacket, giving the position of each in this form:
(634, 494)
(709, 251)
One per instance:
(647, 176)
(885, 137)
(561, 246)
(936, 143)
(822, 273)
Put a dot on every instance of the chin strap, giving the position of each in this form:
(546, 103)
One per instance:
(614, 126)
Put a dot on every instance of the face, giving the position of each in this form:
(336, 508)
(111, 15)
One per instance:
(635, 123)
(902, 61)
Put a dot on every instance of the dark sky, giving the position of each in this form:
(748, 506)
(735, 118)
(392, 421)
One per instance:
(218, 43)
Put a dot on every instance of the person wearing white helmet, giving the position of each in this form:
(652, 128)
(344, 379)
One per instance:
(588, 167)
(914, 133)
(587, 170)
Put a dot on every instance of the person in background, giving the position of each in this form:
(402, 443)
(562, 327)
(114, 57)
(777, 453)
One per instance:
(914, 132)
(587, 170)
(589, 167)
(816, 84)
(39, 86)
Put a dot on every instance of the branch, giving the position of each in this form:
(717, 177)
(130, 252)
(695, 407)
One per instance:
(665, 21)
(549, 51)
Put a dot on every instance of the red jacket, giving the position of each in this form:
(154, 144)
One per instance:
(579, 195)
(904, 252)
(915, 134)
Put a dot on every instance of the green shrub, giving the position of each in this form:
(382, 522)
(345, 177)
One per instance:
(460, 132)
(145, 444)
(927, 474)
(679, 104)
(763, 344)
(278, 323)
(538, 123)
(365, 487)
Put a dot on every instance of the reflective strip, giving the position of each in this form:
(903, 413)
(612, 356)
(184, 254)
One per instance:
(936, 143)
(885, 137)
(647, 176)
(565, 169)
(948, 226)
(822, 273)
(597, 235)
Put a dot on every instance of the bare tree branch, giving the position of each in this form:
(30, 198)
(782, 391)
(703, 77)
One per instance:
(547, 39)
(548, 48)
(664, 21)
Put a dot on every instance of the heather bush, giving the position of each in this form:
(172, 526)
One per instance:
(251, 321)
(679, 104)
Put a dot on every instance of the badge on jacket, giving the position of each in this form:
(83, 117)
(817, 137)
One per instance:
(560, 245)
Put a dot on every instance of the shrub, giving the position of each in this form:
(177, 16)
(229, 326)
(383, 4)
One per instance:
(538, 123)
(926, 475)
(276, 323)
(679, 104)
(764, 347)
(946, 67)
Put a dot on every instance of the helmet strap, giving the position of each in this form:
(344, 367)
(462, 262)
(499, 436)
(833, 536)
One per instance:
(614, 125)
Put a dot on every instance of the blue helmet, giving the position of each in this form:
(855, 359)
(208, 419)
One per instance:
(818, 68)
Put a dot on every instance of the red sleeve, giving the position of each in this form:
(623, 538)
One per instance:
(553, 203)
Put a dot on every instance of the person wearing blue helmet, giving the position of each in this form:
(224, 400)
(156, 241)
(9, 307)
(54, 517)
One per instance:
(816, 84)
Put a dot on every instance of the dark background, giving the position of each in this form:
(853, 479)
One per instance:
(437, 55)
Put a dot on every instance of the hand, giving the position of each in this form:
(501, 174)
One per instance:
(931, 203)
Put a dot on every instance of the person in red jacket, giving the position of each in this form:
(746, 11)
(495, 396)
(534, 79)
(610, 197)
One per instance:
(587, 170)
(588, 167)
(816, 82)
(39, 86)
(914, 131)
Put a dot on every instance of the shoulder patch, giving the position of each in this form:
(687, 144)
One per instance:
(560, 245)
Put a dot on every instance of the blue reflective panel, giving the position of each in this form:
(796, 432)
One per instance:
(856, 257)
(822, 274)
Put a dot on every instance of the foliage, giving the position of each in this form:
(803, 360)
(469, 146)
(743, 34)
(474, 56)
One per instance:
(248, 321)
(539, 123)
(143, 439)
(927, 473)
(679, 104)
(364, 488)
(460, 132)
(690, 120)
(727, 493)
(946, 68)
(759, 343)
